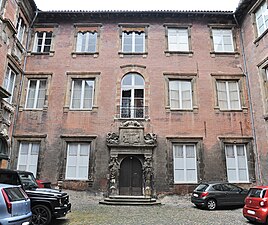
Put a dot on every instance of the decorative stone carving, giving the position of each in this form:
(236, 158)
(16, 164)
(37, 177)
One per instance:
(112, 138)
(150, 138)
(148, 175)
(131, 124)
(114, 172)
(131, 137)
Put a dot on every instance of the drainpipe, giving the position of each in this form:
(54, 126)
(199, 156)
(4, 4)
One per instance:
(245, 72)
(21, 80)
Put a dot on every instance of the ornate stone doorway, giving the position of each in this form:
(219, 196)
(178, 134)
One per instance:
(131, 161)
(130, 177)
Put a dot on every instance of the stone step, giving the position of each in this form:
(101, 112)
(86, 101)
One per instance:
(129, 200)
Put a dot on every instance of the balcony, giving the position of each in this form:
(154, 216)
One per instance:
(132, 112)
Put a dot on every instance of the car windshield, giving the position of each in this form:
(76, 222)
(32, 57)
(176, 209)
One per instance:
(201, 187)
(28, 180)
(257, 192)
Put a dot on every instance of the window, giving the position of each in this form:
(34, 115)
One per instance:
(21, 26)
(178, 39)
(82, 94)
(42, 42)
(133, 42)
(9, 82)
(236, 162)
(132, 96)
(223, 40)
(185, 168)
(3, 149)
(180, 93)
(77, 164)
(261, 16)
(228, 95)
(36, 93)
(86, 42)
(28, 156)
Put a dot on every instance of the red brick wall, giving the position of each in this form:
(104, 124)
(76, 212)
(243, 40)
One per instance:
(205, 122)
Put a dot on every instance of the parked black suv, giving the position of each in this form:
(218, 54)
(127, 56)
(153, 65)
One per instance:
(45, 203)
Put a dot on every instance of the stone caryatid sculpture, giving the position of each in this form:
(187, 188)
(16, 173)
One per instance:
(114, 172)
(148, 175)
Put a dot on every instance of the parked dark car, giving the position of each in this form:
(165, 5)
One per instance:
(256, 205)
(45, 203)
(214, 194)
(15, 206)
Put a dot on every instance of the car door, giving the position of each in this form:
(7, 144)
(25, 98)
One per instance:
(219, 194)
(234, 195)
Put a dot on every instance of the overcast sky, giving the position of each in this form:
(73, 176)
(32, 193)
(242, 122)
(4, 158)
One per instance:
(224, 5)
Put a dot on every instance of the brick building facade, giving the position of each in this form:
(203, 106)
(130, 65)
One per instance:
(252, 17)
(132, 103)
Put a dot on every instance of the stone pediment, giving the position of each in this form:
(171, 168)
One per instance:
(131, 133)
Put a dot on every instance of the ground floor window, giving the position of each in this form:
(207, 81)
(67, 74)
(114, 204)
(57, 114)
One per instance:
(77, 165)
(28, 156)
(185, 167)
(236, 163)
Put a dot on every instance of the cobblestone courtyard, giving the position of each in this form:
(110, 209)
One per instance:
(86, 210)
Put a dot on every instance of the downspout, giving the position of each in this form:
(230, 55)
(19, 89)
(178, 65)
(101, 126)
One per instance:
(245, 72)
(21, 81)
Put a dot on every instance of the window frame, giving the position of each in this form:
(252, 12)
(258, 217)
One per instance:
(240, 78)
(132, 88)
(94, 76)
(40, 138)
(191, 77)
(237, 167)
(86, 28)
(133, 28)
(35, 76)
(91, 140)
(21, 30)
(261, 6)
(29, 155)
(232, 28)
(187, 27)
(227, 84)
(180, 140)
(82, 96)
(78, 161)
(184, 159)
(44, 38)
(263, 73)
(36, 94)
(10, 99)
(47, 28)
(249, 149)
(223, 44)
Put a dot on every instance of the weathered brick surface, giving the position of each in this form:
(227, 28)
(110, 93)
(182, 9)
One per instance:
(206, 122)
(256, 58)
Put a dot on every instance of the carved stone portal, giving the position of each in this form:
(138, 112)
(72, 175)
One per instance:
(130, 140)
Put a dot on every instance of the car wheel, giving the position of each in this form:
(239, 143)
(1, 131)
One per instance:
(211, 204)
(41, 215)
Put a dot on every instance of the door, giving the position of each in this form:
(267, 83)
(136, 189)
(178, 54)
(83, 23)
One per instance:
(130, 178)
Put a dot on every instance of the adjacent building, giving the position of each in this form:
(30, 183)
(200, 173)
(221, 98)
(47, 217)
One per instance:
(135, 102)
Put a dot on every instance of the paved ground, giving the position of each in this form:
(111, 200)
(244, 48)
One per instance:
(86, 210)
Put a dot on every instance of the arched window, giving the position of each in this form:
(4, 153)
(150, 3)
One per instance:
(132, 96)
